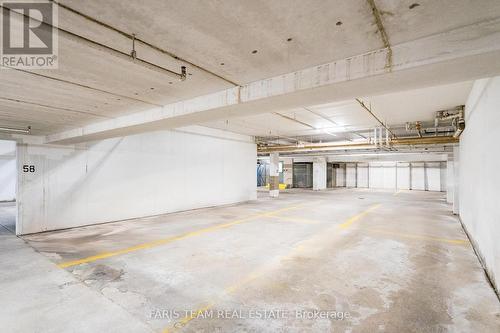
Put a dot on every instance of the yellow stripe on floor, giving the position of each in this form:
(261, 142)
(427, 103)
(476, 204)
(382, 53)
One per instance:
(355, 218)
(231, 289)
(292, 219)
(164, 241)
(421, 237)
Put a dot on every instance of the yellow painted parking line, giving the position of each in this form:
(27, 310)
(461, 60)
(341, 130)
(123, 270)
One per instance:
(229, 290)
(256, 274)
(292, 219)
(164, 241)
(355, 218)
(420, 237)
(183, 322)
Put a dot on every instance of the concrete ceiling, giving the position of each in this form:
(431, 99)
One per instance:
(213, 32)
(340, 117)
(91, 85)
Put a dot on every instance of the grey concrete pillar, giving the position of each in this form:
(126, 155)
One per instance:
(274, 176)
(319, 173)
(288, 172)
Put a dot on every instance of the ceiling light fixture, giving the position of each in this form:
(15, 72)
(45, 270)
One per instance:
(328, 131)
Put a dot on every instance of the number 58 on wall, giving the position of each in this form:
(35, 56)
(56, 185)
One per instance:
(28, 168)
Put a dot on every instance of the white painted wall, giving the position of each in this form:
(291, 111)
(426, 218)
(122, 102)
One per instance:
(134, 176)
(417, 178)
(443, 176)
(383, 175)
(403, 175)
(450, 181)
(479, 176)
(432, 176)
(350, 180)
(362, 174)
(8, 173)
(340, 175)
(425, 176)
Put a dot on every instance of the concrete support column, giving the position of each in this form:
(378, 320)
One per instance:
(274, 176)
(319, 173)
(288, 172)
(456, 180)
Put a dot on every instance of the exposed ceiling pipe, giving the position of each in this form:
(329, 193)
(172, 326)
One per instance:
(356, 145)
(294, 120)
(415, 126)
(261, 140)
(460, 126)
(16, 130)
(12, 100)
(136, 39)
(457, 118)
(418, 127)
(319, 114)
(106, 49)
(84, 86)
(374, 116)
(429, 140)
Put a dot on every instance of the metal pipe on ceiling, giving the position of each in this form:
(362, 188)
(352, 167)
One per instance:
(418, 127)
(456, 116)
(139, 40)
(12, 100)
(294, 120)
(107, 49)
(374, 116)
(16, 130)
(44, 76)
(356, 145)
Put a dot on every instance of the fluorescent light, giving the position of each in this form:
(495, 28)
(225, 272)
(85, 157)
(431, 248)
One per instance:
(329, 133)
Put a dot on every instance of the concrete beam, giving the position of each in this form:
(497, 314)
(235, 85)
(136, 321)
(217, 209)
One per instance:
(461, 54)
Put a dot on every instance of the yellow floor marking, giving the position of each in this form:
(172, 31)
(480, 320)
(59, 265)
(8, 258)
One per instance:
(422, 237)
(231, 289)
(164, 241)
(292, 219)
(355, 218)
(183, 322)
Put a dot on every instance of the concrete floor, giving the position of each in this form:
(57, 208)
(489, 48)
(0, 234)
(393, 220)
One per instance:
(388, 262)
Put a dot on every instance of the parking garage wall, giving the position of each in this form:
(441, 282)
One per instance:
(130, 177)
(478, 174)
(425, 176)
(8, 174)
